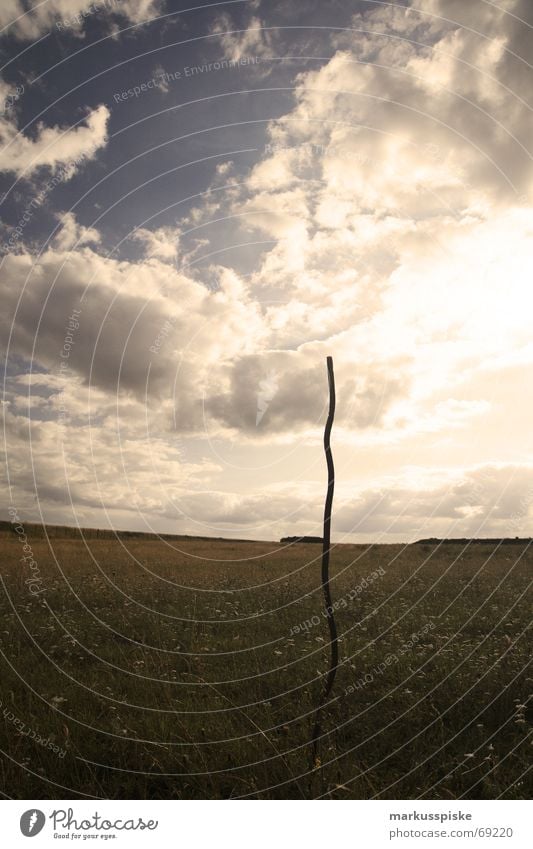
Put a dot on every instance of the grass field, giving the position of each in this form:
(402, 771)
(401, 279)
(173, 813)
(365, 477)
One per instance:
(191, 669)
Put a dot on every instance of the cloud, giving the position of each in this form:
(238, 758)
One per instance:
(125, 307)
(238, 43)
(69, 15)
(468, 87)
(85, 459)
(299, 398)
(52, 147)
(72, 234)
(391, 235)
(161, 243)
(138, 11)
(486, 501)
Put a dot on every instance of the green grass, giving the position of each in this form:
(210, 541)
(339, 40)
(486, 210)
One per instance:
(166, 673)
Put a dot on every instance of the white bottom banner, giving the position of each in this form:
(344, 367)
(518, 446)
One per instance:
(261, 825)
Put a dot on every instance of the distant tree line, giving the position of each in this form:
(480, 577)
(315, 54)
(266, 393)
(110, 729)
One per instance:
(476, 540)
(301, 539)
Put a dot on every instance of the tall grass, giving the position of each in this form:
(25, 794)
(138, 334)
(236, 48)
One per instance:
(194, 673)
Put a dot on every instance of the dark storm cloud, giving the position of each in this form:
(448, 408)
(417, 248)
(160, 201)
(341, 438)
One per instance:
(115, 330)
(289, 389)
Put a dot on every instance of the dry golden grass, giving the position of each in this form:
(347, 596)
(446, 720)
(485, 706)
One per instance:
(166, 672)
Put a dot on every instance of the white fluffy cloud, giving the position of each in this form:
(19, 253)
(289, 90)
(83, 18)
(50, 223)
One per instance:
(72, 234)
(52, 147)
(27, 24)
(161, 243)
(255, 40)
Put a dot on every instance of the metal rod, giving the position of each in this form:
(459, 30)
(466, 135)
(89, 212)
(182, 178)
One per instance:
(326, 541)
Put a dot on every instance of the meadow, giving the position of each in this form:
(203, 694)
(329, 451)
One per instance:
(191, 668)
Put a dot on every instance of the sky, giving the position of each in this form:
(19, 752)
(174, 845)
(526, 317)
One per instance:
(199, 204)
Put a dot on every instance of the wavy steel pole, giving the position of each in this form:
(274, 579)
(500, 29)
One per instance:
(334, 658)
